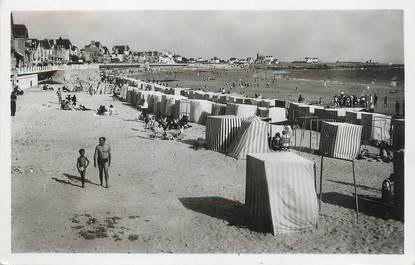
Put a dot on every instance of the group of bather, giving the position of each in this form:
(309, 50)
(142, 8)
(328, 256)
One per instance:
(69, 103)
(163, 127)
(354, 101)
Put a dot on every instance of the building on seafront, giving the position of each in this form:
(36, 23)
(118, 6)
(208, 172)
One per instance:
(95, 52)
(19, 35)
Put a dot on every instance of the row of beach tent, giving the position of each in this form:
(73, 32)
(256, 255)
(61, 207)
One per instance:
(198, 105)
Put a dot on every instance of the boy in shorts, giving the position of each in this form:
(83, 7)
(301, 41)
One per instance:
(81, 164)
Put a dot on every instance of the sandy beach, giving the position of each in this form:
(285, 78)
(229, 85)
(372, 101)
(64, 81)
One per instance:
(165, 197)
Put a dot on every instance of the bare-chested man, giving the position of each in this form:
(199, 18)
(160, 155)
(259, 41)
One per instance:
(102, 156)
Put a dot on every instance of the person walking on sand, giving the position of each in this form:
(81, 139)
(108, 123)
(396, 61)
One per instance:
(90, 90)
(59, 93)
(81, 164)
(102, 158)
(13, 99)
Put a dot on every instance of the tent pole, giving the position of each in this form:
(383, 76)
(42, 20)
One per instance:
(355, 194)
(315, 177)
(321, 184)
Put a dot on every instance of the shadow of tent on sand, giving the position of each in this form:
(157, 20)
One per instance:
(368, 205)
(230, 211)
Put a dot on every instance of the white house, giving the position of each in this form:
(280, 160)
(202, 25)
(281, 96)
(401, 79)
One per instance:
(312, 60)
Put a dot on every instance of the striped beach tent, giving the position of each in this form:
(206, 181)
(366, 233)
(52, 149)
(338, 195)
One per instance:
(182, 107)
(220, 131)
(252, 137)
(340, 140)
(280, 195)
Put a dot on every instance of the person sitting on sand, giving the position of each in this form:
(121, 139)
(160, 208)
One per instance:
(74, 100)
(83, 108)
(65, 105)
(184, 122)
(276, 142)
(101, 110)
(81, 164)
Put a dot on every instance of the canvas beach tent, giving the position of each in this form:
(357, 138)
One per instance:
(277, 114)
(220, 131)
(218, 109)
(182, 107)
(376, 127)
(241, 110)
(199, 110)
(123, 92)
(252, 137)
(280, 195)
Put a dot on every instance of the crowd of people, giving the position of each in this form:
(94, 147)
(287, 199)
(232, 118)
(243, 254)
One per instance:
(165, 127)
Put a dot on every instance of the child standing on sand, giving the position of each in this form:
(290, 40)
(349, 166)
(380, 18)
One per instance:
(81, 164)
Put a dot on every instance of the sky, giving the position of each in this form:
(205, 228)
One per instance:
(352, 35)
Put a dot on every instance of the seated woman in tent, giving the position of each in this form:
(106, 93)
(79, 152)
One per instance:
(276, 142)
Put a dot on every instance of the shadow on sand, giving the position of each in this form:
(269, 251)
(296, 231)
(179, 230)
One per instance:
(73, 178)
(368, 205)
(231, 211)
(304, 149)
(351, 184)
(130, 120)
(190, 142)
(66, 182)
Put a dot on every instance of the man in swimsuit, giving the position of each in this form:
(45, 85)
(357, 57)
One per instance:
(102, 157)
